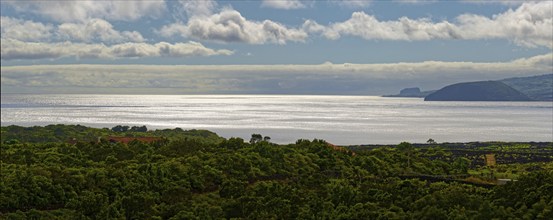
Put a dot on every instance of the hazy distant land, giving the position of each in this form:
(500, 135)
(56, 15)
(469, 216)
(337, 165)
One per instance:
(539, 88)
(478, 91)
(533, 88)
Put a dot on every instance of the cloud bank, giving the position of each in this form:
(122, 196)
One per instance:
(327, 78)
(13, 28)
(84, 10)
(530, 25)
(96, 38)
(96, 30)
(19, 50)
(229, 26)
(86, 26)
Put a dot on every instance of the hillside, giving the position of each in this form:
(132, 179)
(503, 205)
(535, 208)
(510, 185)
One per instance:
(539, 88)
(478, 91)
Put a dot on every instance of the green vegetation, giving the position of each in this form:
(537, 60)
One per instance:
(64, 172)
(68, 133)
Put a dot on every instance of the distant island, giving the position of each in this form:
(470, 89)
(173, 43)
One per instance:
(478, 91)
(414, 92)
(533, 88)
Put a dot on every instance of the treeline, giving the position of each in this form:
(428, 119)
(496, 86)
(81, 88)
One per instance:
(197, 177)
(68, 133)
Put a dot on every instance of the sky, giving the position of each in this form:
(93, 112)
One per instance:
(270, 46)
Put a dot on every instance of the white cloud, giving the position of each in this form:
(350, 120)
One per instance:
(415, 1)
(174, 29)
(369, 27)
(311, 26)
(83, 10)
(312, 79)
(283, 4)
(530, 25)
(352, 3)
(24, 30)
(198, 8)
(230, 26)
(18, 50)
(91, 31)
(545, 60)
(503, 2)
(96, 29)
(96, 38)
(165, 49)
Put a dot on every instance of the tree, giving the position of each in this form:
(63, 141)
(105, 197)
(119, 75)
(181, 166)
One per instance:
(461, 165)
(139, 129)
(120, 128)
(256, 138)
(431, 141)
(267, 138)
(407, 149)
(117, 128)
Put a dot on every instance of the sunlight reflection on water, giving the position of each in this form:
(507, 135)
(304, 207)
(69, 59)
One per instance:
(337, 119)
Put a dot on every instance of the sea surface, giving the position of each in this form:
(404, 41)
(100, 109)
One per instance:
(286, 118)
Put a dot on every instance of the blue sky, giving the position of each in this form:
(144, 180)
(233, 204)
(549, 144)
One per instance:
(272, 42)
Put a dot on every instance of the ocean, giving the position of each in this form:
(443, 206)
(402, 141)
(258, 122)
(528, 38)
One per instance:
(343, 120)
